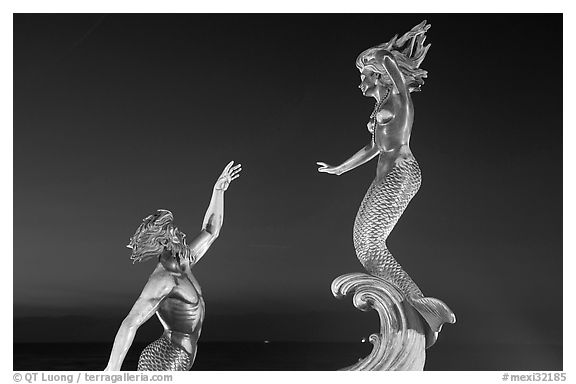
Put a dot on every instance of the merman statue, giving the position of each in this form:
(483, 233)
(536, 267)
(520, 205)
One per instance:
(172, 292)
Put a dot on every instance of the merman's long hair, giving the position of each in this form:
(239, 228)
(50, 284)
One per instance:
(156, 234)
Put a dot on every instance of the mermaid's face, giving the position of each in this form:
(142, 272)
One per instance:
(374, 84)
(368, 84)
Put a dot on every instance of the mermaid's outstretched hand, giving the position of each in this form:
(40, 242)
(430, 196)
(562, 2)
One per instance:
(229, 173)
(325, 168)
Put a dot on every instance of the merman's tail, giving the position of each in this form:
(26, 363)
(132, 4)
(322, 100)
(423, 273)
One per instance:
(163, 355)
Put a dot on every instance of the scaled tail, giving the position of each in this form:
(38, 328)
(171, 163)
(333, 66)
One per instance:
(436, 313)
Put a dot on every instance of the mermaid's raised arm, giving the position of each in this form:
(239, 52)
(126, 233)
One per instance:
(394, 72)
(155, 290)
(361, 157)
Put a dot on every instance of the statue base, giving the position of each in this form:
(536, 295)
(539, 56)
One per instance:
(401, 343)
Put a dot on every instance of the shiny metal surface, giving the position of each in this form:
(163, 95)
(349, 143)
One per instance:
(372, 227)
(172, 292)
(162, 355)
(400, 344)
(389, 72)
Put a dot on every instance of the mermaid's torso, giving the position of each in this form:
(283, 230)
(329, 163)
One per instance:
(392, 123)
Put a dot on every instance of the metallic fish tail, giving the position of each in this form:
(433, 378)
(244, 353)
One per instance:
(381, 208)
(162, 355)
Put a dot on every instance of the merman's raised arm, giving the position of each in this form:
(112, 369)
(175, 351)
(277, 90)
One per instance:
(214, 216)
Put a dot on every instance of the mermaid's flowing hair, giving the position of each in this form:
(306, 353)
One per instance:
(155, 234)
(407, 56)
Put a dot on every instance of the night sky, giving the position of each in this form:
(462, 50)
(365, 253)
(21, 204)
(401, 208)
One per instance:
(116, 116)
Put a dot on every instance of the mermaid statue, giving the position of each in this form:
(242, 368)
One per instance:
(389, 72)
(172, 292)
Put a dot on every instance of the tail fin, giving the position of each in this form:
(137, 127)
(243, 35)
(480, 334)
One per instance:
(436, 313)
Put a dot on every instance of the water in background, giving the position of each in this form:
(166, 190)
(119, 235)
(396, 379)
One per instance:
(289, 357)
